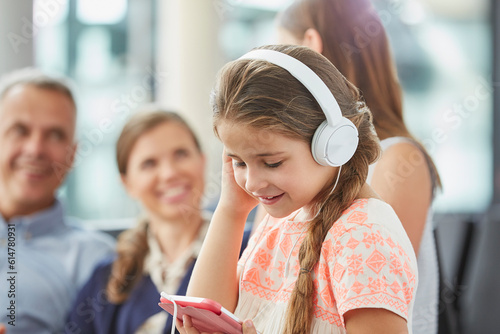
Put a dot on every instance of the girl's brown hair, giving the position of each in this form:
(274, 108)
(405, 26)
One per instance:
(265, 96)
(132, 246)
(354, 40)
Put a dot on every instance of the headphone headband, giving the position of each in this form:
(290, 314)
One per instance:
(335, 140)
(306, 76)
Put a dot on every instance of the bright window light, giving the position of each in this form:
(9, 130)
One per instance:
(49, 13)
(262, 4)
(101, 12)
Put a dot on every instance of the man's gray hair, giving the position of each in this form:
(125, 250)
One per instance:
(34, 77)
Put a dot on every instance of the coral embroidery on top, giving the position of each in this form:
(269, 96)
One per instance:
(361, 265)
(376, 261)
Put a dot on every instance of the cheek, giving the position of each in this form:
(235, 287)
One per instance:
(198, 175)
(63, 153)
(197, 169)
(9, 151)
(6, 157)
(140, 184)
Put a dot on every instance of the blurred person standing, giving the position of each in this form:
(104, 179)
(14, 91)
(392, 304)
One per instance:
(44, 259)
(351, 35)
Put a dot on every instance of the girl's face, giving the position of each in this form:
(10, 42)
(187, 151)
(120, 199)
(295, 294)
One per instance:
(165, 172)
(278, 171)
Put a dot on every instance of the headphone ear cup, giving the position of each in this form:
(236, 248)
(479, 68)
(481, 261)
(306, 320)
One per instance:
(334, 146)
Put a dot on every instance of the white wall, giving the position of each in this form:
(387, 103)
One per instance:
(16, 34)
(188, 60)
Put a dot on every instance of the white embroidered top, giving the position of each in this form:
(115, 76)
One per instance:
(366, 261)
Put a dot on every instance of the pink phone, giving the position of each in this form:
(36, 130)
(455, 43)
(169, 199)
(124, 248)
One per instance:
(206, 314)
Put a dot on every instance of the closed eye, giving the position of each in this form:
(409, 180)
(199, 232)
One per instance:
(275, 165)
(19, 130)
(148, 163)
(181, 153)
(238, 164)
(57, 135)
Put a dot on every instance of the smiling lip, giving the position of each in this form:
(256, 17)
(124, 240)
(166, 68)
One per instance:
(174, 195)
(34, 172)
(270, 200)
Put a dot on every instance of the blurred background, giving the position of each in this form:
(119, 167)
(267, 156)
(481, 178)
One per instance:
(122, 54)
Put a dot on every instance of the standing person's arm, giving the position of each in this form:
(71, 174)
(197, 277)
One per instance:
(402, 178)
(374, 321)
(215, 273)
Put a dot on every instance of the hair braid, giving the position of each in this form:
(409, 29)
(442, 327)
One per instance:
(127, 269)
(330, 207)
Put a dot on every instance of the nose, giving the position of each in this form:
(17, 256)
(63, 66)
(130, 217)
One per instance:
(255, 180)
(167, 170)
(34, 145)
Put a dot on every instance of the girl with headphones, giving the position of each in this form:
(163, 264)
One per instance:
(330, 256)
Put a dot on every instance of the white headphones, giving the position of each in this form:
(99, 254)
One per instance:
(336, 139)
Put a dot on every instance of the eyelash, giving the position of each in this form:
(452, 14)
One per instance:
(147, 164)
(239, 164)
(275, 165)
(20, 130)
(242, 164)
(57, 135)
(181, 153)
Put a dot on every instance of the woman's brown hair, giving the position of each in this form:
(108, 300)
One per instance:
(355, 41)
(132, 246)
(265, 96)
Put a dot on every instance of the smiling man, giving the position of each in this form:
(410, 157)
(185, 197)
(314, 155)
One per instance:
(43, 260)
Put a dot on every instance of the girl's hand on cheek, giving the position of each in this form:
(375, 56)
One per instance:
(232, 195)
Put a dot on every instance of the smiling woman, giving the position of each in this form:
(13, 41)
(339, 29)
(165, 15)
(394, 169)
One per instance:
(162, 167)
(167, 179)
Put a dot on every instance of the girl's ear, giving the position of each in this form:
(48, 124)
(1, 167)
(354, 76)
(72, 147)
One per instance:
(312, 39)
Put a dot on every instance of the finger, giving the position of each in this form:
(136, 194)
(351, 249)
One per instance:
(248, 327)
(186, 320)
(226, 162)
(188, 325)
(179, 325)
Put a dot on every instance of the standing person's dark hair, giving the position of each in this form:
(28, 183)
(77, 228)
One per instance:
(351, 35)
(365, 60)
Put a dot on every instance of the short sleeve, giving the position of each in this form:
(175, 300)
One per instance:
(371, 269)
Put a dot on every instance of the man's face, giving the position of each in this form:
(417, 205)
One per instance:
(36, 147)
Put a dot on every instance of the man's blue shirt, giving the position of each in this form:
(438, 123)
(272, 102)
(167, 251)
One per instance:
(43, 264)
